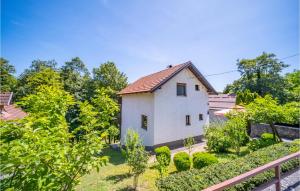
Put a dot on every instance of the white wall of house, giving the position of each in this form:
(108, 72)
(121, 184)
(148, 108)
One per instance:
(133, 106)
(170, 110)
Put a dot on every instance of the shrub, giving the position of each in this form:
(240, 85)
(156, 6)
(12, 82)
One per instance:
(188, 143)
(196, 179)
(163, 157)
(217, 141)
(182, 161)
(265, 140)
(202, 159)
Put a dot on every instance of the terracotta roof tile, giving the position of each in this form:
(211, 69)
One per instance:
(12, 112)
(151, 82)
(5, 98)
(221, 101)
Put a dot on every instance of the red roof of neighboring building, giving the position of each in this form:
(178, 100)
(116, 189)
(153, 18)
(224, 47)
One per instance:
(12, 112)
(222, 101)
(8, 111)
(153, 81)
(5, 98)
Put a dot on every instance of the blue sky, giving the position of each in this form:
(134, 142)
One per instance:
(142, 36)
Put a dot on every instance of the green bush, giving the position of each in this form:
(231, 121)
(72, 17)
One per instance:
(198, 179)
(164, 150)
(202, 159)
(163, 157)
(182, 161)
(266, 139)
(217, 141)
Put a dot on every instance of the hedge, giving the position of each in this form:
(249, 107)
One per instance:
(199, 179)
(182, 161)
(202, 159)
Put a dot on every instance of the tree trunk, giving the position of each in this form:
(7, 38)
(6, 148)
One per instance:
(135, 181)
(275, 132)
(249, 127)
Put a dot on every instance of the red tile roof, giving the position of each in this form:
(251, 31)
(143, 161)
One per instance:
(12, 112)
(221, 101)
(153, 81)
(8, 111)
(5, 98)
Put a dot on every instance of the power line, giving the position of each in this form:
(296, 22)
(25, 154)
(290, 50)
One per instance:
(230, 71)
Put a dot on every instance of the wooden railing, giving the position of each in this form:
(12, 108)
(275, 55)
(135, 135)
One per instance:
(238, 179)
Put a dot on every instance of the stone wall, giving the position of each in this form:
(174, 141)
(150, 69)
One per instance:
(284, 131)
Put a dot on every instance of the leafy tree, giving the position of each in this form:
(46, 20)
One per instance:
(36, 153)
(75, 77)
(246, 97)
(260, 75)
(108, 76)
(235, 129)
(7, 79)
(107, 108)
(291, 113)
(293, 85)
(136, 156)
(266, 110)
(39, 73)
(189, 143)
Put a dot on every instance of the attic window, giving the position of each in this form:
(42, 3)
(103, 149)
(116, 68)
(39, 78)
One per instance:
(197, 87)
(144, 122)
(181, 89)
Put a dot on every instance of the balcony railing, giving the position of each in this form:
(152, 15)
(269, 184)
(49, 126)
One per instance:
(275, 164)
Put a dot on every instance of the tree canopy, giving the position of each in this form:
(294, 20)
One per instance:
(7, 78)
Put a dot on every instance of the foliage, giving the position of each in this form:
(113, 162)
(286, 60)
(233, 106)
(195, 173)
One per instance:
(265, 140)
(260, 75)
(108, 76)
(75, 77)
(199, 179)
(113, 133)
(235, 130)
(189, 143)
(7, 79)
(163, 157)
(217, 141)
(202, 159)
(107, 108)
(291, 113)
(293, 86)
(266, 110)
(136, 156)
(245, 97)
(182, 161)
(37, 153)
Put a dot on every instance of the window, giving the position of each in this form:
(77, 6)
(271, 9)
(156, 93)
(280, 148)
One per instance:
(181, 89)
(197, 87)
(187, 120)
(200, 117)
(144, 122)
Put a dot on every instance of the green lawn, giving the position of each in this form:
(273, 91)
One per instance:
(115, 176)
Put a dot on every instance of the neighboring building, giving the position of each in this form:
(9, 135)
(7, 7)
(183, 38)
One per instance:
(167, 107)
(221, 104)
(8, 111)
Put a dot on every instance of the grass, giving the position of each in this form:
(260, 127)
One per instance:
(115, 175)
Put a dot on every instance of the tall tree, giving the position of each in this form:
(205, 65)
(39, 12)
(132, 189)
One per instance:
(7, 79)
(260, 75)
(75, 77)
(39, 73)
(293, 85)
(108, 75)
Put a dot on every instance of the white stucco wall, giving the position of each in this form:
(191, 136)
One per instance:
(133, 106)
(170, 110)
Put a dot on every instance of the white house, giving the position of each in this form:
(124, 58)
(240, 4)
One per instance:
(167, 106)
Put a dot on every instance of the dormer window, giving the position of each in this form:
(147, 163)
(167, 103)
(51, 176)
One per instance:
(181, 89)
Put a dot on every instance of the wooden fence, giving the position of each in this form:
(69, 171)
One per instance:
(275, 164)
